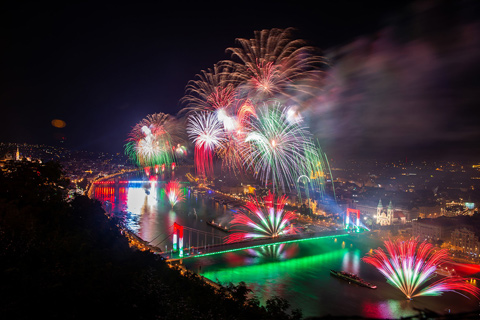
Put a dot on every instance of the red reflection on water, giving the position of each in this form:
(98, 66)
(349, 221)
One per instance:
(111, 182)
(462, 269)
(235, 260)
(105, 193)
(292, 250)
(376, 310)
(114, 196)
(122, 195)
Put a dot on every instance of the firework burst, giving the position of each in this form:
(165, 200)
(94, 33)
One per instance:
(263, 220)
(174, 192)
(275, 148)
(276, 64)
(235, 127)
(213, 88)
(408, 265)
(151, 141)
(207, 134)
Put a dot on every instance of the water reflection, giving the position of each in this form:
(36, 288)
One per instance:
(144, 208)
(136, 199)
(304, 280)
(351, 261)
(268, 278)
(386, 309)
(274, 252)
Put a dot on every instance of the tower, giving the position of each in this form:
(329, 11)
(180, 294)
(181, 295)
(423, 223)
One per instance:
(354, 221)
(379, 210)
(178, 238)
(390, 213)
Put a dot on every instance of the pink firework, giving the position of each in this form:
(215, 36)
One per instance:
(408, 265)
(263, 220)
(174, 192)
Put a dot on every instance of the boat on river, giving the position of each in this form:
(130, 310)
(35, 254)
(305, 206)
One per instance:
(218, 226)
(351, 277)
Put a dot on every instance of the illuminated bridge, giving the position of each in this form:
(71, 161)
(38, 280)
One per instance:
(214, 243)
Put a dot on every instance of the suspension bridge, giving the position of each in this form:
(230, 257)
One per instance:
(186, 242)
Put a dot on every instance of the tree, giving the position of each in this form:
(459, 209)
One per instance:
(277, 308)
(239, 292)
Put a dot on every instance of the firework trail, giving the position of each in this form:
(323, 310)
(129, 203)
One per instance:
(275, 148)
(207, 134)
(408, 265)
(275, 64)
(317, 167)
(174, 192)
(151, 140)
(213, 88)
(264, 220)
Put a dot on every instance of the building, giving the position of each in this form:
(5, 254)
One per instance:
(465, 239)
(432, 211)
(389, 216)
(367, 210)
(455, 208)
(238, 190)
(434, 229)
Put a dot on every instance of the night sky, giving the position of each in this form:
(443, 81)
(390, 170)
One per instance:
(404, 80)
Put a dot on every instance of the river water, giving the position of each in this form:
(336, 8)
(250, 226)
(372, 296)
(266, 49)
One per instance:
(298, 272)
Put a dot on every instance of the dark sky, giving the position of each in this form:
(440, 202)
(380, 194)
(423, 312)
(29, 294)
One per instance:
(404, 80)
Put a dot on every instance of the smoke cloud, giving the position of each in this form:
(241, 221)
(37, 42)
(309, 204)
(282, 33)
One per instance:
(409, 90)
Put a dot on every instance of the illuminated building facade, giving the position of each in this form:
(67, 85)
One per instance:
(433, 229)
(389, 216)
(466, 240)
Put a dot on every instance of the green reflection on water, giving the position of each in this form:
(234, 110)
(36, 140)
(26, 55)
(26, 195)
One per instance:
(297, 264)
(274, 278)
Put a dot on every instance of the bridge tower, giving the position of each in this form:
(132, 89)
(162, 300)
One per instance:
(178, 238)
(355, 222)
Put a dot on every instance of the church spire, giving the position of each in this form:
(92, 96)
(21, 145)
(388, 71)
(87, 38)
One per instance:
(380, 205)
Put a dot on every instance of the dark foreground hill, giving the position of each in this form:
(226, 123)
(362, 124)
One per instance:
(67, 260)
